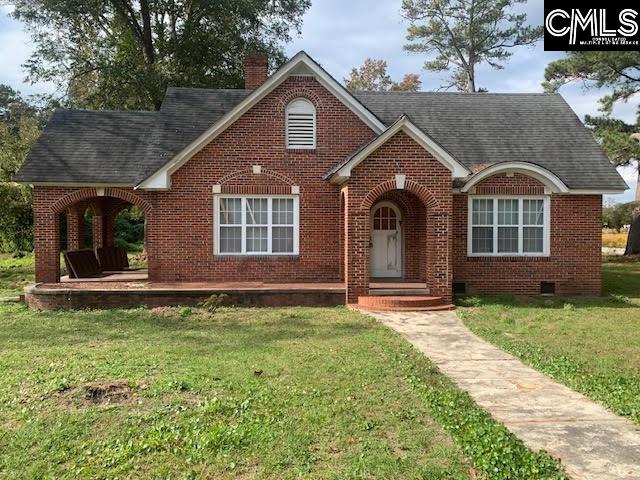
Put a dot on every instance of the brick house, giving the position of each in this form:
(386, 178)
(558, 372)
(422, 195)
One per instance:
(296, 179)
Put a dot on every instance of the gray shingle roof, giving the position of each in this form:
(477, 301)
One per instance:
(479, 129)
(96, 147)
(126, 147)
(81, 146)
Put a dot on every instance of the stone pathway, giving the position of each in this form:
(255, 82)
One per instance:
(592, 442)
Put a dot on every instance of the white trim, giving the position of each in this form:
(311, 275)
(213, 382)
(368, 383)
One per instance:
(585, 191)
(76, 184)
(243, 225)
(405, 125)
(160, 179)
(549, 179)
(546, 239)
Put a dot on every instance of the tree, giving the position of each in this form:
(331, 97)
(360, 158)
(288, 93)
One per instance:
(466, 33)
(618, 215)
(620, 73)
(372, 76)
(122, 54)
(20, 125)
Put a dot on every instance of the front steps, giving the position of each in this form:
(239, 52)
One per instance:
(402, 303)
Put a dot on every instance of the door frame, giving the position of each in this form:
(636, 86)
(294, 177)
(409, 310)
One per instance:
(400, 220)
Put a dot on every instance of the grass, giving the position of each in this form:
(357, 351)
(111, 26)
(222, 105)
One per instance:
(15, 274)
(264, 393)
(328, 403)
(245, 393)
(614, 239)
(592, 345)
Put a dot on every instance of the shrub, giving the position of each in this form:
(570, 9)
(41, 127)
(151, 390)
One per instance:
(213, 303)
(16, 218)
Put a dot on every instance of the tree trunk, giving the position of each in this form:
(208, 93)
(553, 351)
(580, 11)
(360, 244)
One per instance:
(633, 239)
(638, 183)
(471, 78)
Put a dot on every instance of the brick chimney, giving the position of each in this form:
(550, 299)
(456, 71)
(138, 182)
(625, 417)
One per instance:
(256, 66)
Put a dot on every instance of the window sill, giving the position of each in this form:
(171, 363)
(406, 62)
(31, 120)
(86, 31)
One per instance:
(252, 258)
(508, 258)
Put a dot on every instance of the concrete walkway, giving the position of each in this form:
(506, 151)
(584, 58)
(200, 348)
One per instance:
(592, 442)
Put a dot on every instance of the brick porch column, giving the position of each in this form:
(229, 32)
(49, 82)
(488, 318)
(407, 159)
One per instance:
(439, 252)
(112, 208)
(75, 227)
(98, 226)
(356, 253)
(46, 228)
(151, 243)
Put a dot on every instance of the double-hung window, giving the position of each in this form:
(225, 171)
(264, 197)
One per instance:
(508, 226)
(256, 225)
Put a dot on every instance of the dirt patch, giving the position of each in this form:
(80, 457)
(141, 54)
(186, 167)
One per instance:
(167, 312)
(113, 392)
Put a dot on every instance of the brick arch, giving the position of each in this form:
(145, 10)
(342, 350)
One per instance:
(92, 193)
(299, 92)
(400, 200)
(410, 186)
(249, 172)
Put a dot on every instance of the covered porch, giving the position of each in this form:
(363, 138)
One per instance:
(397, 247)
(78, 228)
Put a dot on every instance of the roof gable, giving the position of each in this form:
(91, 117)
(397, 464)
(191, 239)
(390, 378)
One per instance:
(300, 64)
(342, 172)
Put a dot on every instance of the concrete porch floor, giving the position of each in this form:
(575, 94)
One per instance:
(133, 288)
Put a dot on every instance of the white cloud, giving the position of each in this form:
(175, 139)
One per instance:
(17, 48)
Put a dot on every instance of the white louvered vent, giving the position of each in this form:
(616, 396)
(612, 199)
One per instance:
(301, 124)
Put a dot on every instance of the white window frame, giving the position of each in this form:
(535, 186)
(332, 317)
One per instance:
(310, 108)
(546, 236)
(243, 225)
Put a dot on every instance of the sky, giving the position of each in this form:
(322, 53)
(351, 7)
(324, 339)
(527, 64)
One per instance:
(341, 34)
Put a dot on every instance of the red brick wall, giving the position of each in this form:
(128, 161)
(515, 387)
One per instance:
(372, 180)
(180, 223)
(184, 224)
(574, 264)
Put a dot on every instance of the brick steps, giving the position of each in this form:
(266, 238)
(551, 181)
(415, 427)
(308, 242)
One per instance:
(402, 303)
(399, 291)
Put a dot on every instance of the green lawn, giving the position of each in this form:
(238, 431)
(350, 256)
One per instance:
(591, 345)
(245, 393)
(15, 274)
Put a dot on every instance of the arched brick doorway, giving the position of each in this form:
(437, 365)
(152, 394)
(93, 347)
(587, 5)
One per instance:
(51, 204)
(426, 230)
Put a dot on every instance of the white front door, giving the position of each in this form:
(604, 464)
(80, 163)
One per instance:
(386, 241)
